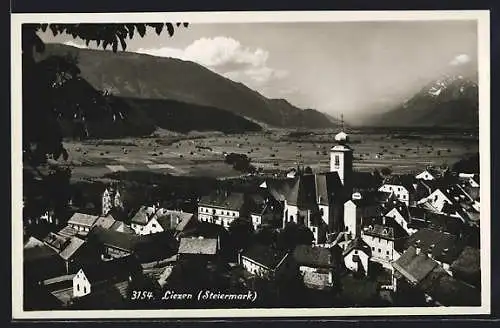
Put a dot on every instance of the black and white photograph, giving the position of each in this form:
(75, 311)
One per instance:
(240, 164)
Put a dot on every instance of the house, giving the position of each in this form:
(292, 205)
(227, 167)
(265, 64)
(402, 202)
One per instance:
(412, 266)
(317, 265)
(41, 263)
(261, 210)
(420, 218)
(278, 188)
(111, 199)
(403, 187)
(105, 221)
(401, 214)
(386, 239)
(442, 247)
(145, 221)
(220, 207)
(362, 206)
(200, 248)
(357, 255)
(264, 261)
(145, 248)
(120, 226)
(82, 222)
(453, 201)
(429, 173)
(95, 277)
(187, 221)
(441, 289)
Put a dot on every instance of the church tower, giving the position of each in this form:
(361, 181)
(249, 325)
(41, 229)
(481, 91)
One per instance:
(341, 156)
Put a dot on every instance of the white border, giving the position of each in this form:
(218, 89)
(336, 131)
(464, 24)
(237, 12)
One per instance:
(481, 16)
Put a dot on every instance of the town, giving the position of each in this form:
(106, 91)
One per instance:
(302, 238)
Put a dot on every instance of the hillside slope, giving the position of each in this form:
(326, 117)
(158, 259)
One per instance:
(448, 102)
(132, 75)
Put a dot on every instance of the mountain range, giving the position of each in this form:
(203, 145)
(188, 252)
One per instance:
(449, 101)
(152, 84)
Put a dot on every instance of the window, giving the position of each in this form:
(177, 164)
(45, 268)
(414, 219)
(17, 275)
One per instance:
(373, 248)
(78, 287)
(387, 252)
(379, 250)
(154, 225)
(337, 160)
(84, 289)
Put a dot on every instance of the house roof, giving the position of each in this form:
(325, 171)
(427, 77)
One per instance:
(405, 180)
(143, 215)
(82, 219)
(106, 270)
(365, 181)
(111, 238)
(389, 230)
(105, 222)
(119, 226)
(414, 267)
(313, 256)
(74, 245)
(449, 291)
(225, 200)
(443, 246)
(358, 244)
(328, 185)
(33, 242)
(186, 218)
(303, 192)
(107, 297)
(279, 188)
(421, 218)
(265, 255)
(56, 242)
(203, 246)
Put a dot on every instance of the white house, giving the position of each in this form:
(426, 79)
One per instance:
(428, 174)
(146, 220)
(357, 255)
(220, 207)
(82, 222)
(264, 261)
(401, 215)
(402, 187)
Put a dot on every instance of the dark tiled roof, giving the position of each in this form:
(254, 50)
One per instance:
(414, 267)
(221, 199)
(443, 246)
(119, 226)
(56, 242)
(358, 244)
(365, 181)
(186, 220)
(421, 218)
(115, 239)
(316, 279)
(265, 255)
(303, 192)
(313, 256)
(449, 291)
(390, 230)
(203, 246)
(279, 188)
(113, 269)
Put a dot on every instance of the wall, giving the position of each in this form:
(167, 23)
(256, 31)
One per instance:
(382, 249)
(152, 227)
(253, 268)
(222, 217)
(401, 193)
(425, 176)
(350, 219)
(353, 266)
(81, 285)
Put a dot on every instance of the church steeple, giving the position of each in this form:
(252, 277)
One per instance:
(341, 155)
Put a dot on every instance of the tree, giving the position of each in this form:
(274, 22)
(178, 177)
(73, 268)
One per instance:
(294, 234)
(240, 233)
(386, 171)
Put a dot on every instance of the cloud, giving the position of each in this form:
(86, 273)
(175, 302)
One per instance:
(460, 60)
(225, 56)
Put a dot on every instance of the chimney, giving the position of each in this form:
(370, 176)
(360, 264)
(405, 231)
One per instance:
(417, 250)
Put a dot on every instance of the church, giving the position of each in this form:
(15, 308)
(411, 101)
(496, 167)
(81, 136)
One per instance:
(316, 200)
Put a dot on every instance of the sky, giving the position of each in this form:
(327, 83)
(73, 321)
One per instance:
(353, 68)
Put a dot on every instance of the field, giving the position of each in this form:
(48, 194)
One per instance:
(203, 154)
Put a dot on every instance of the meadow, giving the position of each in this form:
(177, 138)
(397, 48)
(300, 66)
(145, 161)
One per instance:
(202, 154)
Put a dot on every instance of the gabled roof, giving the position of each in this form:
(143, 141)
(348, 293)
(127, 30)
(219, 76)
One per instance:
(357, 244)
(265, 256)
(143, 215)
(222, 199)
(365, 181)
(202, 246)
(303, 192)
(313, 256)
(120, 268)
(82, 219)
(105, 222)
(279, 188)
(119, 226)
(443, 246)
(70, 250)
(56, 242)
(33, 242)
(404, 180)
(390, 230)
(414, 267)
(186, 219)
(328, 185)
